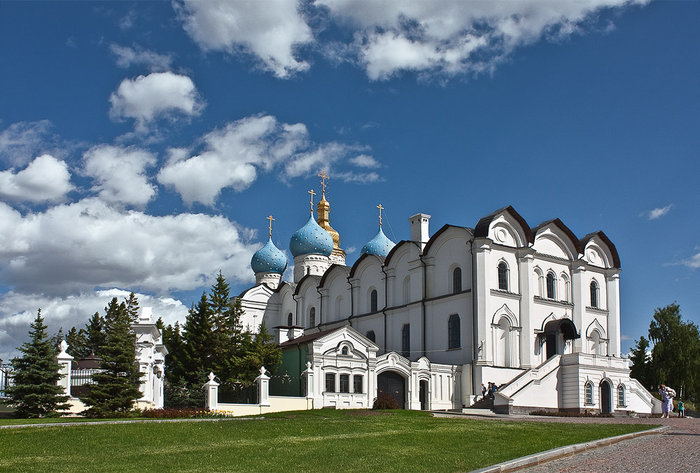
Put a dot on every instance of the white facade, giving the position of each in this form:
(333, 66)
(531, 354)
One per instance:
(493, 303)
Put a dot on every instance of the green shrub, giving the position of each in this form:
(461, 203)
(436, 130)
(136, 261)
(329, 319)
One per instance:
(385, 401)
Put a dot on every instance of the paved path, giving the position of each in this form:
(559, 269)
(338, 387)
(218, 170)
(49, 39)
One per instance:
(675, 450)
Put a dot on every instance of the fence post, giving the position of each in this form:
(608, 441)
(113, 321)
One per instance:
(211, 393)
(308, 374)
(263, 388)
(64, 367)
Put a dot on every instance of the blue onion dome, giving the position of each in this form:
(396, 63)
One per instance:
(380, 245)
(311, 239)
(269, 259)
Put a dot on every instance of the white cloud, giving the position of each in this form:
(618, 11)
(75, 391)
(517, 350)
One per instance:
(127, 57)
(358, 178)
(454, 36)
(271, 30)
(233, 156)
(18, 310)
(120, 173)
(693, 262)
(44, 179)
(658, 212)
(446, 38)
(159, 94)
(22, 141)
(364, 161)
(79, 246)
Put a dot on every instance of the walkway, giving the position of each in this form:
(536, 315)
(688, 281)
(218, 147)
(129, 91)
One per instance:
(675, 450)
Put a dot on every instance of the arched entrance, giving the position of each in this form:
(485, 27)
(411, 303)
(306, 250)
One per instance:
(556, 333)
(393, 384)
(605, 397)
(423, 395)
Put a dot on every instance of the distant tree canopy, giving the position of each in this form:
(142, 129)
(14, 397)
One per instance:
(212, 339)
(675, 355)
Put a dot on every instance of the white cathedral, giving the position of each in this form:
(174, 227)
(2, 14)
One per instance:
(428, 320)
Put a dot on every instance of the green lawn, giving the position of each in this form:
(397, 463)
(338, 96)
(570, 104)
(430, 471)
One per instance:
(326, 440)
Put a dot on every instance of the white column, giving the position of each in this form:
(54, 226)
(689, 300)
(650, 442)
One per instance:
(578, 293)
(211, 393)
(64, 367)
(613, 292)
(308, 374)
(263, 388)
(527, 333)
(480, 286)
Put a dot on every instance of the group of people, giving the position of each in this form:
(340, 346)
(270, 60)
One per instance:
(667, 394)
(490, 391)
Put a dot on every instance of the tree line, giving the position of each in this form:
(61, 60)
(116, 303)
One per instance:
(211, 339)
(674, 358)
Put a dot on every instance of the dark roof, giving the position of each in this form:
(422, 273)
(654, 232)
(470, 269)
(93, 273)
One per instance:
(615, 256)
(567, 231)
(302, 280)
(396, 248)
(362, 258)
(87, 363)
(566, 326)
(307, 338)
(482, 227)
(333, 266)
(440, 232)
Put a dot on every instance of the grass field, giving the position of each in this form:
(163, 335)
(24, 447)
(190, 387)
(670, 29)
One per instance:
(311, 441)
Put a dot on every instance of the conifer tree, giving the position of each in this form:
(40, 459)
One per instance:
(117, 387)
(77, 343)
(35, 392)
(199, 342)
(260, 351)
(95, 334)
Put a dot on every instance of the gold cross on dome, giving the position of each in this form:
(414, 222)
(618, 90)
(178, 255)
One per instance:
(270, 218)
(324, 176)
(380, 213)
(312, 193)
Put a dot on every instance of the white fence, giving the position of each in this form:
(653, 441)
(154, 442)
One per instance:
(266, 403)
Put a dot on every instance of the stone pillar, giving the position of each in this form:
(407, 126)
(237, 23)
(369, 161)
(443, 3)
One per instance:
(527, 333)
(613, 293)
(64, 367)
(308, 375)
(263, 388)
(211, 393)
(484, 350)
(578, 294)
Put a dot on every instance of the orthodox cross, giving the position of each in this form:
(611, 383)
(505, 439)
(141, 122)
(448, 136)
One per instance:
(312, 193)
(270, 225)
(380, 213)
(323, 175)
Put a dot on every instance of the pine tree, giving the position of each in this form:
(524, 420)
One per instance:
(132, 308)
(641, 363)
(198, 359)
(95, 334)
(35, 392)
(260, 351)
(117, 387)
(227, 331)
(77, 343)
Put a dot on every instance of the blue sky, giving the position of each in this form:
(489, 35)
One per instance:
(142, 145)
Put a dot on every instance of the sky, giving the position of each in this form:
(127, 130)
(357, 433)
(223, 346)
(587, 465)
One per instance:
(143, 144)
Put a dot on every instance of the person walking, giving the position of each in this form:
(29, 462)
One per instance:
(667, 395)
(681, 408)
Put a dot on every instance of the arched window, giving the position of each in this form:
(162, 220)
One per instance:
(344, 351)
(289, 320)
(503, 276)
(540, 282)
(594, 293)
(595, 343)
(503, 347)
(567, 287)
(621, 395)
(457, 280)
(406, 340)
(588, 393)
(453, 332)
(373, 301)
(312, 317)
(371, 335)
(551, 286)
